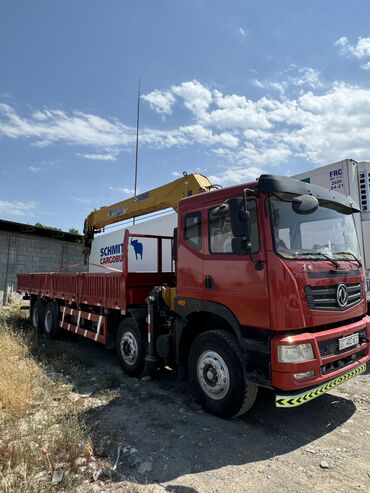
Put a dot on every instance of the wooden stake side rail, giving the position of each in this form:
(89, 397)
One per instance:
(102, 324)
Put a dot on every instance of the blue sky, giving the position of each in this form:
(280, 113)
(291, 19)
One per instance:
(231, 89)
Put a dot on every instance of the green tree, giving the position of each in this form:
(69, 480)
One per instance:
(39, 225)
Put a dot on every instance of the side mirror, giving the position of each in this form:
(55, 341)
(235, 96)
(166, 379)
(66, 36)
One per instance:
(221, 210)
(240, 219)
(241, 246)
(305, 204)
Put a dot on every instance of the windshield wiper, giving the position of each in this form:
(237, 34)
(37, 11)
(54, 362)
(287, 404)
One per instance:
(350, 253)
(322, 255)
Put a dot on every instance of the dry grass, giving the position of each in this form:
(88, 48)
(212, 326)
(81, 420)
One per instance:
(40, 432)
(19, 375)
(61, 356)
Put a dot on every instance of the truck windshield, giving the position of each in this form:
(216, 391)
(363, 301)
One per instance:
(323, 233)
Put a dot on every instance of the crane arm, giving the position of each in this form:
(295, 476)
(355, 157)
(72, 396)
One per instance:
(164, 197)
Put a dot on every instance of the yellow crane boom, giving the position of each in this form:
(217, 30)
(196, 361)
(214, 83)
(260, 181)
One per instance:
(160, 198)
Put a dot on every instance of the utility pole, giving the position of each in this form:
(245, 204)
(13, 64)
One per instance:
(137, 142)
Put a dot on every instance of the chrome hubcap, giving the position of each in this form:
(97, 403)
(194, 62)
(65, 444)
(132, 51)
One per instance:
(129, 348)
(213, 375)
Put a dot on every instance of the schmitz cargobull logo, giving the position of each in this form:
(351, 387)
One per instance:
(111, 254)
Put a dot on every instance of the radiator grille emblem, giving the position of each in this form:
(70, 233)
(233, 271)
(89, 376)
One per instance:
(342, 295)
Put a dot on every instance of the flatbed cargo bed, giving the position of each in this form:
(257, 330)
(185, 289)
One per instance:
(112, 290)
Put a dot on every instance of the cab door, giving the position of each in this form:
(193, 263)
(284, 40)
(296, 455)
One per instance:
(238, 282)
(189, 266)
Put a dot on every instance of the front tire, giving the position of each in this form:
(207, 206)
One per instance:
(216, 374)
(131, 345)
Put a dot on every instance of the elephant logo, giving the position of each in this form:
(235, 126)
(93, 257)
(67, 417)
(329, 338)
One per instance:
(138, 247)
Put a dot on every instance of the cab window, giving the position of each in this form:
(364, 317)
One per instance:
(220, 234)
(193, 229)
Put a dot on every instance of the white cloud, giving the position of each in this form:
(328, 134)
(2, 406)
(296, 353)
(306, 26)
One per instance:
(359, 50)
(197, 97)
(203, 135)
(236, 174)
(49, 126)
(258, 83)
(333, 125)
(40, 116)
(125, 190)
(290, 79)
(160, 101)
(99, 157)
(268, 132)
(242, 32)
(34, 169)
(234, 111)
(107, 136)
(82, 200)
(311, 122)
(17, 208)
(307, 77)
(279, 86)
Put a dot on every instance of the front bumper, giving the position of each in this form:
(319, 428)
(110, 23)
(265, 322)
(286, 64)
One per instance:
(297, 399)
(328, 365)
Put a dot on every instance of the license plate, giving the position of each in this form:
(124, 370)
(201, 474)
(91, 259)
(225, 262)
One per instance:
(348, 341)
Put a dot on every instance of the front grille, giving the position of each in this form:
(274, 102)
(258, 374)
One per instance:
(341, 363)
(330, 347)
(325, 297)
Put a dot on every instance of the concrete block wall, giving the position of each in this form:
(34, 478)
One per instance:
(24, 253)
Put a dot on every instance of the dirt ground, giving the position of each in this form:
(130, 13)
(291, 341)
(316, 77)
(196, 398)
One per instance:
(166, 443)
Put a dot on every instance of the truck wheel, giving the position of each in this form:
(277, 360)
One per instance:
(131, 344)
(37, 315)
(216, 374)
(51, 326)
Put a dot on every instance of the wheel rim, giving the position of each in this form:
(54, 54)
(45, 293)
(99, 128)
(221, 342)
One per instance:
(213, 375)
(35, 317)
(129, 348)
(48, 322)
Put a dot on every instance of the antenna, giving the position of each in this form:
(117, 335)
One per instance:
(137, 141)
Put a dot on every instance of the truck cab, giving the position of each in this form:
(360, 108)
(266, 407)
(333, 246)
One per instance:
(276, 264)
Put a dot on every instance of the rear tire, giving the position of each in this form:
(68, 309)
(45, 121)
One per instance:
(131, 345)
(216, 374)
(51, 328)
(37, 315)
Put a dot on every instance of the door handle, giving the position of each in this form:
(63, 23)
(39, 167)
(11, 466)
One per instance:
(209, 282)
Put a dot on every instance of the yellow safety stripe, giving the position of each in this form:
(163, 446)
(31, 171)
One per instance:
(299, 399)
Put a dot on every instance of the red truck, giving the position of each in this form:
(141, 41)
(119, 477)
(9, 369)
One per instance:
(267, 290)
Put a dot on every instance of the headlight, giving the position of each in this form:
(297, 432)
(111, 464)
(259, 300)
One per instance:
(292, 354)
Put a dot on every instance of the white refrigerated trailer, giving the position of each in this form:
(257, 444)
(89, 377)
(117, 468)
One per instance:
(350, 178)
(107, 249)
